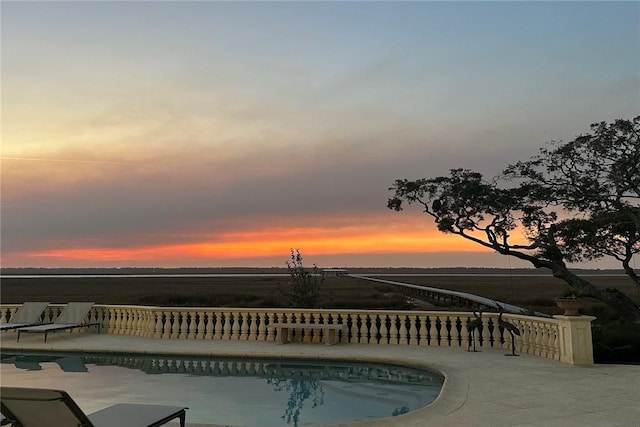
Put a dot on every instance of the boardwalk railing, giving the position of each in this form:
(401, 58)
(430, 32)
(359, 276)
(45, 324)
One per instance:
(451, 298)
(563, 338)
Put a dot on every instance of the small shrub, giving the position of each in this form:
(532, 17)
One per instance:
(305, 285)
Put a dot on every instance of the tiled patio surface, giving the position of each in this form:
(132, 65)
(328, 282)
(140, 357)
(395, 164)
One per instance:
(481, 389)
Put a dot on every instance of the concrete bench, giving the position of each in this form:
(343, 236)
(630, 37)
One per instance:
(330, 332)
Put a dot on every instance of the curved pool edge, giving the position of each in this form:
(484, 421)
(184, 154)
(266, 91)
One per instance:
(452, 395)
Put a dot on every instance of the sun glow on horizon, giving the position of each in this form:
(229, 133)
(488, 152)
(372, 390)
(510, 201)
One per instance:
(266, 243)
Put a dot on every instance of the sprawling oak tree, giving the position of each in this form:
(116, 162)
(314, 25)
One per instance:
(574, 201)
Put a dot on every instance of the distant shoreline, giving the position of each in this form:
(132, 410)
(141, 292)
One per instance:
(213, 271)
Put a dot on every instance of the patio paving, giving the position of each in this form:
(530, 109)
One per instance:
(481, 389)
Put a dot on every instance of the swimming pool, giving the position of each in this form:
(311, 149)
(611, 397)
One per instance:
(240, 391)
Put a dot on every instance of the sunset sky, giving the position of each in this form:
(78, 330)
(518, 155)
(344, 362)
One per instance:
(225, 133)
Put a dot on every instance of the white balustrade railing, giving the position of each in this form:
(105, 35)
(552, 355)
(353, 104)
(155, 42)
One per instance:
(543, 337)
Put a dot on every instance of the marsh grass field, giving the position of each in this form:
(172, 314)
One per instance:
(533, 292)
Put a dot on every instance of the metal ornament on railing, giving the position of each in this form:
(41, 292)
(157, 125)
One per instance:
(472, 326)
(510, 327)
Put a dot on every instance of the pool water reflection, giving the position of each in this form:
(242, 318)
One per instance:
(240, 391)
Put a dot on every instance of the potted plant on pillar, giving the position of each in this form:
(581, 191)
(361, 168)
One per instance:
(571, 301)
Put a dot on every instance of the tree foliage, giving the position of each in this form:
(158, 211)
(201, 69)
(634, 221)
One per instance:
(596, 180)
(574, 201)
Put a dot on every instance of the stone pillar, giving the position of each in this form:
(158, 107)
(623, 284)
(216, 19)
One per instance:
(576, 346)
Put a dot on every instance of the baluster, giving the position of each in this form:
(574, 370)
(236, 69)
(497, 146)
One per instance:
(140, 321)
(117, 327)
(174, 323)
(340, 320)
(526, 336)
(486, 329)
(404, 331)
(104, 319)
(208, 325)
(393, 329)
(537, 331)
(491, 333)
(238, 321)
(436, 325)
(293, 336)
(384, 339)
(134, 322)
(314, 318)
(156, 316)
(548, 343)
(262, 326)
(520, 341)
(183, 323)
(423, 330)
(365, 326)
(305, 335)
(322, 318)
(244, 326)
(125, 322)
(555, 337)
(445, 331)
(198, 325)
(226, 325)
(550, 351)
(113, 317)
(165, 319)
(192, 325)
(128, 328)
(541, 339)
(553, 342)
(414, 338)
(356, 329)
(373, 329)
(240, 331)
(253, 327)
(470, 339)
(270, 332)
(122, 321)
(217, 325)
(456, 337)
(171, 324)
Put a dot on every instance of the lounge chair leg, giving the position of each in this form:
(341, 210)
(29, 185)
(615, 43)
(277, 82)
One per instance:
(18, 339)
(45, 337)
(183, 417)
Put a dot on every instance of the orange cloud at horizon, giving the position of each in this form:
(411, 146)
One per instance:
(273, 242)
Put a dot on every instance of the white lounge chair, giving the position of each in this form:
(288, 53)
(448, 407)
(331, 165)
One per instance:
(34, 407)
(72, 317)
(30, 313)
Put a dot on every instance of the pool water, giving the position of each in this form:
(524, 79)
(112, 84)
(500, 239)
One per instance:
(240, 392)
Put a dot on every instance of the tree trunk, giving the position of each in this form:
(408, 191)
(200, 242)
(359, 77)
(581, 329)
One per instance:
(617, 300)
(630, 272)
